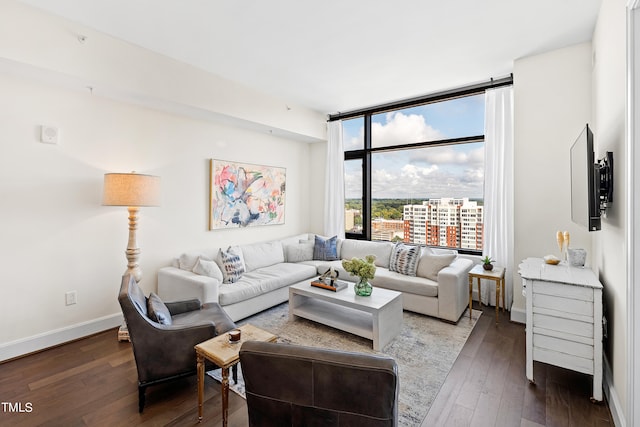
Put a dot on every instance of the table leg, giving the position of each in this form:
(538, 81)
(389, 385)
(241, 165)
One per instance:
(479, 293)
(470, 295)
(497, 299)
(504, 305)
(225, 396)
(200, 368)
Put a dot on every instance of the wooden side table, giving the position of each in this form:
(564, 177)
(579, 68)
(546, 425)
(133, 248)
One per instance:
(497, 275)
(225, 354)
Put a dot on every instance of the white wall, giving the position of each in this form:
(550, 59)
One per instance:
(55, 235)
(38, 43)
(552, 93)
(610, 251)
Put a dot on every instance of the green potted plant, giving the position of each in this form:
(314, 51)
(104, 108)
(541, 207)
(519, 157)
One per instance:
(487, 263)
(365, 269)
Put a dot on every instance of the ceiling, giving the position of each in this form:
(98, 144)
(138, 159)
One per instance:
(339, 55)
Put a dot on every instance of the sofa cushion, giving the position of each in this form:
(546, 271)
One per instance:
(263, 280)
(362, 248)
(262, 255)
(232, 265)
(298, 252)
(158, 311)
(430, 264)
(404, 259)
(325, 249)
(208, 268)
(411, 285)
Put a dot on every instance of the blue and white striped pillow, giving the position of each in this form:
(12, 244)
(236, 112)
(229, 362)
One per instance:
(404, 259)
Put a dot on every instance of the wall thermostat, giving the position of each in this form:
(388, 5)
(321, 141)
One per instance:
(49, 134)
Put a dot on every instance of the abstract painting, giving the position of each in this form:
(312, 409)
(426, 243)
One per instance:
(244, 195)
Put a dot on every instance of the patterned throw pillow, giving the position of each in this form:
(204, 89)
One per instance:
(404, 259)
(157, 310)
(232, 266)
(325, 249)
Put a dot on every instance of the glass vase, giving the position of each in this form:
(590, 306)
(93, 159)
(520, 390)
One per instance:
(363, 288)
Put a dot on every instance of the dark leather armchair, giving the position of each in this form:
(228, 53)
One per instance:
(289, 385)
(166, 352)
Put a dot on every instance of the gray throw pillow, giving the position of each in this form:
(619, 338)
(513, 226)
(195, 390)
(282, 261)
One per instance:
(157, 310)
(299, 252)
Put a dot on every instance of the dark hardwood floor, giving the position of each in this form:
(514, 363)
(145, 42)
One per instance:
(92, 382)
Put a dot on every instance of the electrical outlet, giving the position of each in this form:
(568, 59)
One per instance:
(71, 297)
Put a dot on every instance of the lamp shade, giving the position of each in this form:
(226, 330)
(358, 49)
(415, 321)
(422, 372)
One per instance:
(131, 189)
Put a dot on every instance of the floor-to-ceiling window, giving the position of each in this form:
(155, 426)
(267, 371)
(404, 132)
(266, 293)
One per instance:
(415, 172)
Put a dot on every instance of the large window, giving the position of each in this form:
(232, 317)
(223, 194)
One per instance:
(416, 173)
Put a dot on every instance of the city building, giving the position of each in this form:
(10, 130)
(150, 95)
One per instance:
(449, 222)
(387, 229)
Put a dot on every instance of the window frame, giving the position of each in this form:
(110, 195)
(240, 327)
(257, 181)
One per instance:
(365, 154)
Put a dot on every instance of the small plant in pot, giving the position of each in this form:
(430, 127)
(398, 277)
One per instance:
(487, 263)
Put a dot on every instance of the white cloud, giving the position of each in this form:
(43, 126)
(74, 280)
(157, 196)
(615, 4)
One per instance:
(402, 129)
(449, 155)
(413, 181)
(446, 171)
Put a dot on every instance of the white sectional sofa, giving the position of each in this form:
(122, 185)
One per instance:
(440, 287)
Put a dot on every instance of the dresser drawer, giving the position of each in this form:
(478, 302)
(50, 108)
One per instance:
(563, 290)
(563, 360)
(574, 327)
(563, 304)
(564, 346)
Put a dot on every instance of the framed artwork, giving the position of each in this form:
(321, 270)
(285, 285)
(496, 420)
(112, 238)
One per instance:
(244, 195)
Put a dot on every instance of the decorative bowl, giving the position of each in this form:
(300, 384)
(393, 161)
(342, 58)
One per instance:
(550, 259)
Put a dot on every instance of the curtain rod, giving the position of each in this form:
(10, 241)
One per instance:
(424, 99)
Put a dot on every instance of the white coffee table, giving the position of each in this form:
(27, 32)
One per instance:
(377, 317)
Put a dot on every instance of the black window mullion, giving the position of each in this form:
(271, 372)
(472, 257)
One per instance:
(366, 180)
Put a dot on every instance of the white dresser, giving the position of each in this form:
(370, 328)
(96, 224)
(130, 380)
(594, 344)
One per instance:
(564, 318)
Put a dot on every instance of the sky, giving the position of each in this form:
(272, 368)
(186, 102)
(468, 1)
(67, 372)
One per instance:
(433, 172)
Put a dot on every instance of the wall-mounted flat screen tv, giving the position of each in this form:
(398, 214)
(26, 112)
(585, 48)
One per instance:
(585, 203)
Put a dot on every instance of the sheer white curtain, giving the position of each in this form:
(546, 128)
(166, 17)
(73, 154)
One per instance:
(498, 188)
(334, 188)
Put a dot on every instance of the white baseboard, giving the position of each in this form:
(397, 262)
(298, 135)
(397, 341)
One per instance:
(58, 336)
(617, 411)
(518, 315)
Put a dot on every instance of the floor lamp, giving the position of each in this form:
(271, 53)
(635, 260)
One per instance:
(133, 191)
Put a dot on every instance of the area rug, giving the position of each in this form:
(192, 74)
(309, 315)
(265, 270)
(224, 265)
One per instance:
(425, 351)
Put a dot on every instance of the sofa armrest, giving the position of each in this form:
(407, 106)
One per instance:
(453, 289)
(175, 284)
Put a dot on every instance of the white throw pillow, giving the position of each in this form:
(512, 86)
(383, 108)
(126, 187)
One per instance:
(188, 260)
(299, 252)
(208, 268)
(430, 264)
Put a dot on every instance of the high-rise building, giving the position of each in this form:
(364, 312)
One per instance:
(449, 222)
(471, 226)
(387, 229)
(350, 219)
